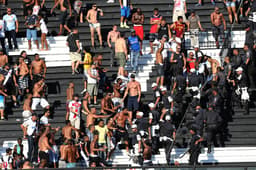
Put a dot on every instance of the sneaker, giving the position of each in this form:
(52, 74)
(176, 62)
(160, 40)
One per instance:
(84, 90)
(101, 47)
(2, 118)
(198, 4)
(213, 3)
(121, 25)
(110, 1)
(126, 26)
(73, 73)
(76, 71)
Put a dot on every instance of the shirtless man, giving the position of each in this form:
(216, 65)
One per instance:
(92, 18)
(70, 93)
(86, 102)
(121, 53)
(160, 63)
(37, 69)
(107, 106)
(113, 35)
(71, 154)
(67, 130)
(26, 165)
(63, 14)
(38, 95)
(219, 25)
(44, 147)
(214, 65)
(138, 21)
(3, 59)
(27, 111)
(121, 131)
(92, 116)
(134, 90)
(23, 76)
(116, 99)
(147, 153)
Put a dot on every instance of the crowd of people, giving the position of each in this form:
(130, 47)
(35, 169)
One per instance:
(193, 95)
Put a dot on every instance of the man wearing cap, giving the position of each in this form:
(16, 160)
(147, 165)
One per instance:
(194, 25)
(167, 136)
(241, 84)
(154, 117)
(29, 128)
(194, 82)
(134, 45)
(167, 100)
(156, 95)
(142, 124)
(134, 90)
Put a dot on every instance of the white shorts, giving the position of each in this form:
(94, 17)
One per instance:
(75, 122)
(26, 114)
(37, 101)
(96, 25)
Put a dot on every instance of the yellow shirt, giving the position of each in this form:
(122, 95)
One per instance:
(102, 133)
(87, 61)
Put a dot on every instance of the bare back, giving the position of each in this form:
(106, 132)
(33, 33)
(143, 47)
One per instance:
(70, 93)
(43, 143)
(120, 45)
(67, 132)
(70, 152)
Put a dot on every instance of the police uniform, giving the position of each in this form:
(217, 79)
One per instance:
(143, 125)
(194, 149)
(177, 68)
(166, 137)
(155, 116)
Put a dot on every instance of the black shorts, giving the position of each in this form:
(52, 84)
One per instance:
(160, 70)
(218, 31)
(133, 104)
(11, 89)
(63, 17)
(153, 36)
(121, 135)
(44, 156)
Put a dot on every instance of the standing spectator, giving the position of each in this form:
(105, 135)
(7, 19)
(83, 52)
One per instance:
(2, 99)
(27, 4)
(121, 53)
(113, 35)
(29, 128)
(163, 29)
(27, 111)
(27, 60)
(23, 74)
(36, 7)
(3, 59)
(231, 7)
(134, 90)
(102, 142)
(93, 78)
(219, 25)
(78, 12)
(155, 20)
(70, 93)
(71, 154)
(74, 115)
(44, 32)
(31, 23)
(18, 148)
(179, 62)
(11, 28)
(179, 9)
(91, 17)
(125, 7)
(200, 2)
(63, 13)
(37, 69)
(2, 34)
(3, 3)
(74, 50)
(178, 27)
(138, 21)
(134, 44)
(159, 62)
(194, 25)
(87, 65)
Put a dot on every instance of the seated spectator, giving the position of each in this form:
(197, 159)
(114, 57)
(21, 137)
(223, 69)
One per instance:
(91, 17)
(18, 148)
(6, 161)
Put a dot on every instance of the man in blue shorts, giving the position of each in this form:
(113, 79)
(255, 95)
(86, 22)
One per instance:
(125, 7)
(31, 23)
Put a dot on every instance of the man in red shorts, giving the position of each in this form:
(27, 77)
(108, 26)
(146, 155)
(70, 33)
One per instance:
(138, 21)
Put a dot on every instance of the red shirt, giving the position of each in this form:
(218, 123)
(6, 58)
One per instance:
(154, 27)
(191, 64)
(179, 28)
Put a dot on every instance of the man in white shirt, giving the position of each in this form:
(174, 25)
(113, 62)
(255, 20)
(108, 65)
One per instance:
(29, 128)
(6, 160)
(179, 9)
(44, 120)
(74, 115)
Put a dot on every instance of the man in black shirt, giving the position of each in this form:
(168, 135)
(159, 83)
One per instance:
(31, 23)
(156, 95)
(194, 148)
(167, 136)
(74, 49)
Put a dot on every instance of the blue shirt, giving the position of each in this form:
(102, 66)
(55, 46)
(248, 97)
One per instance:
(134, 43)
(10, 22)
